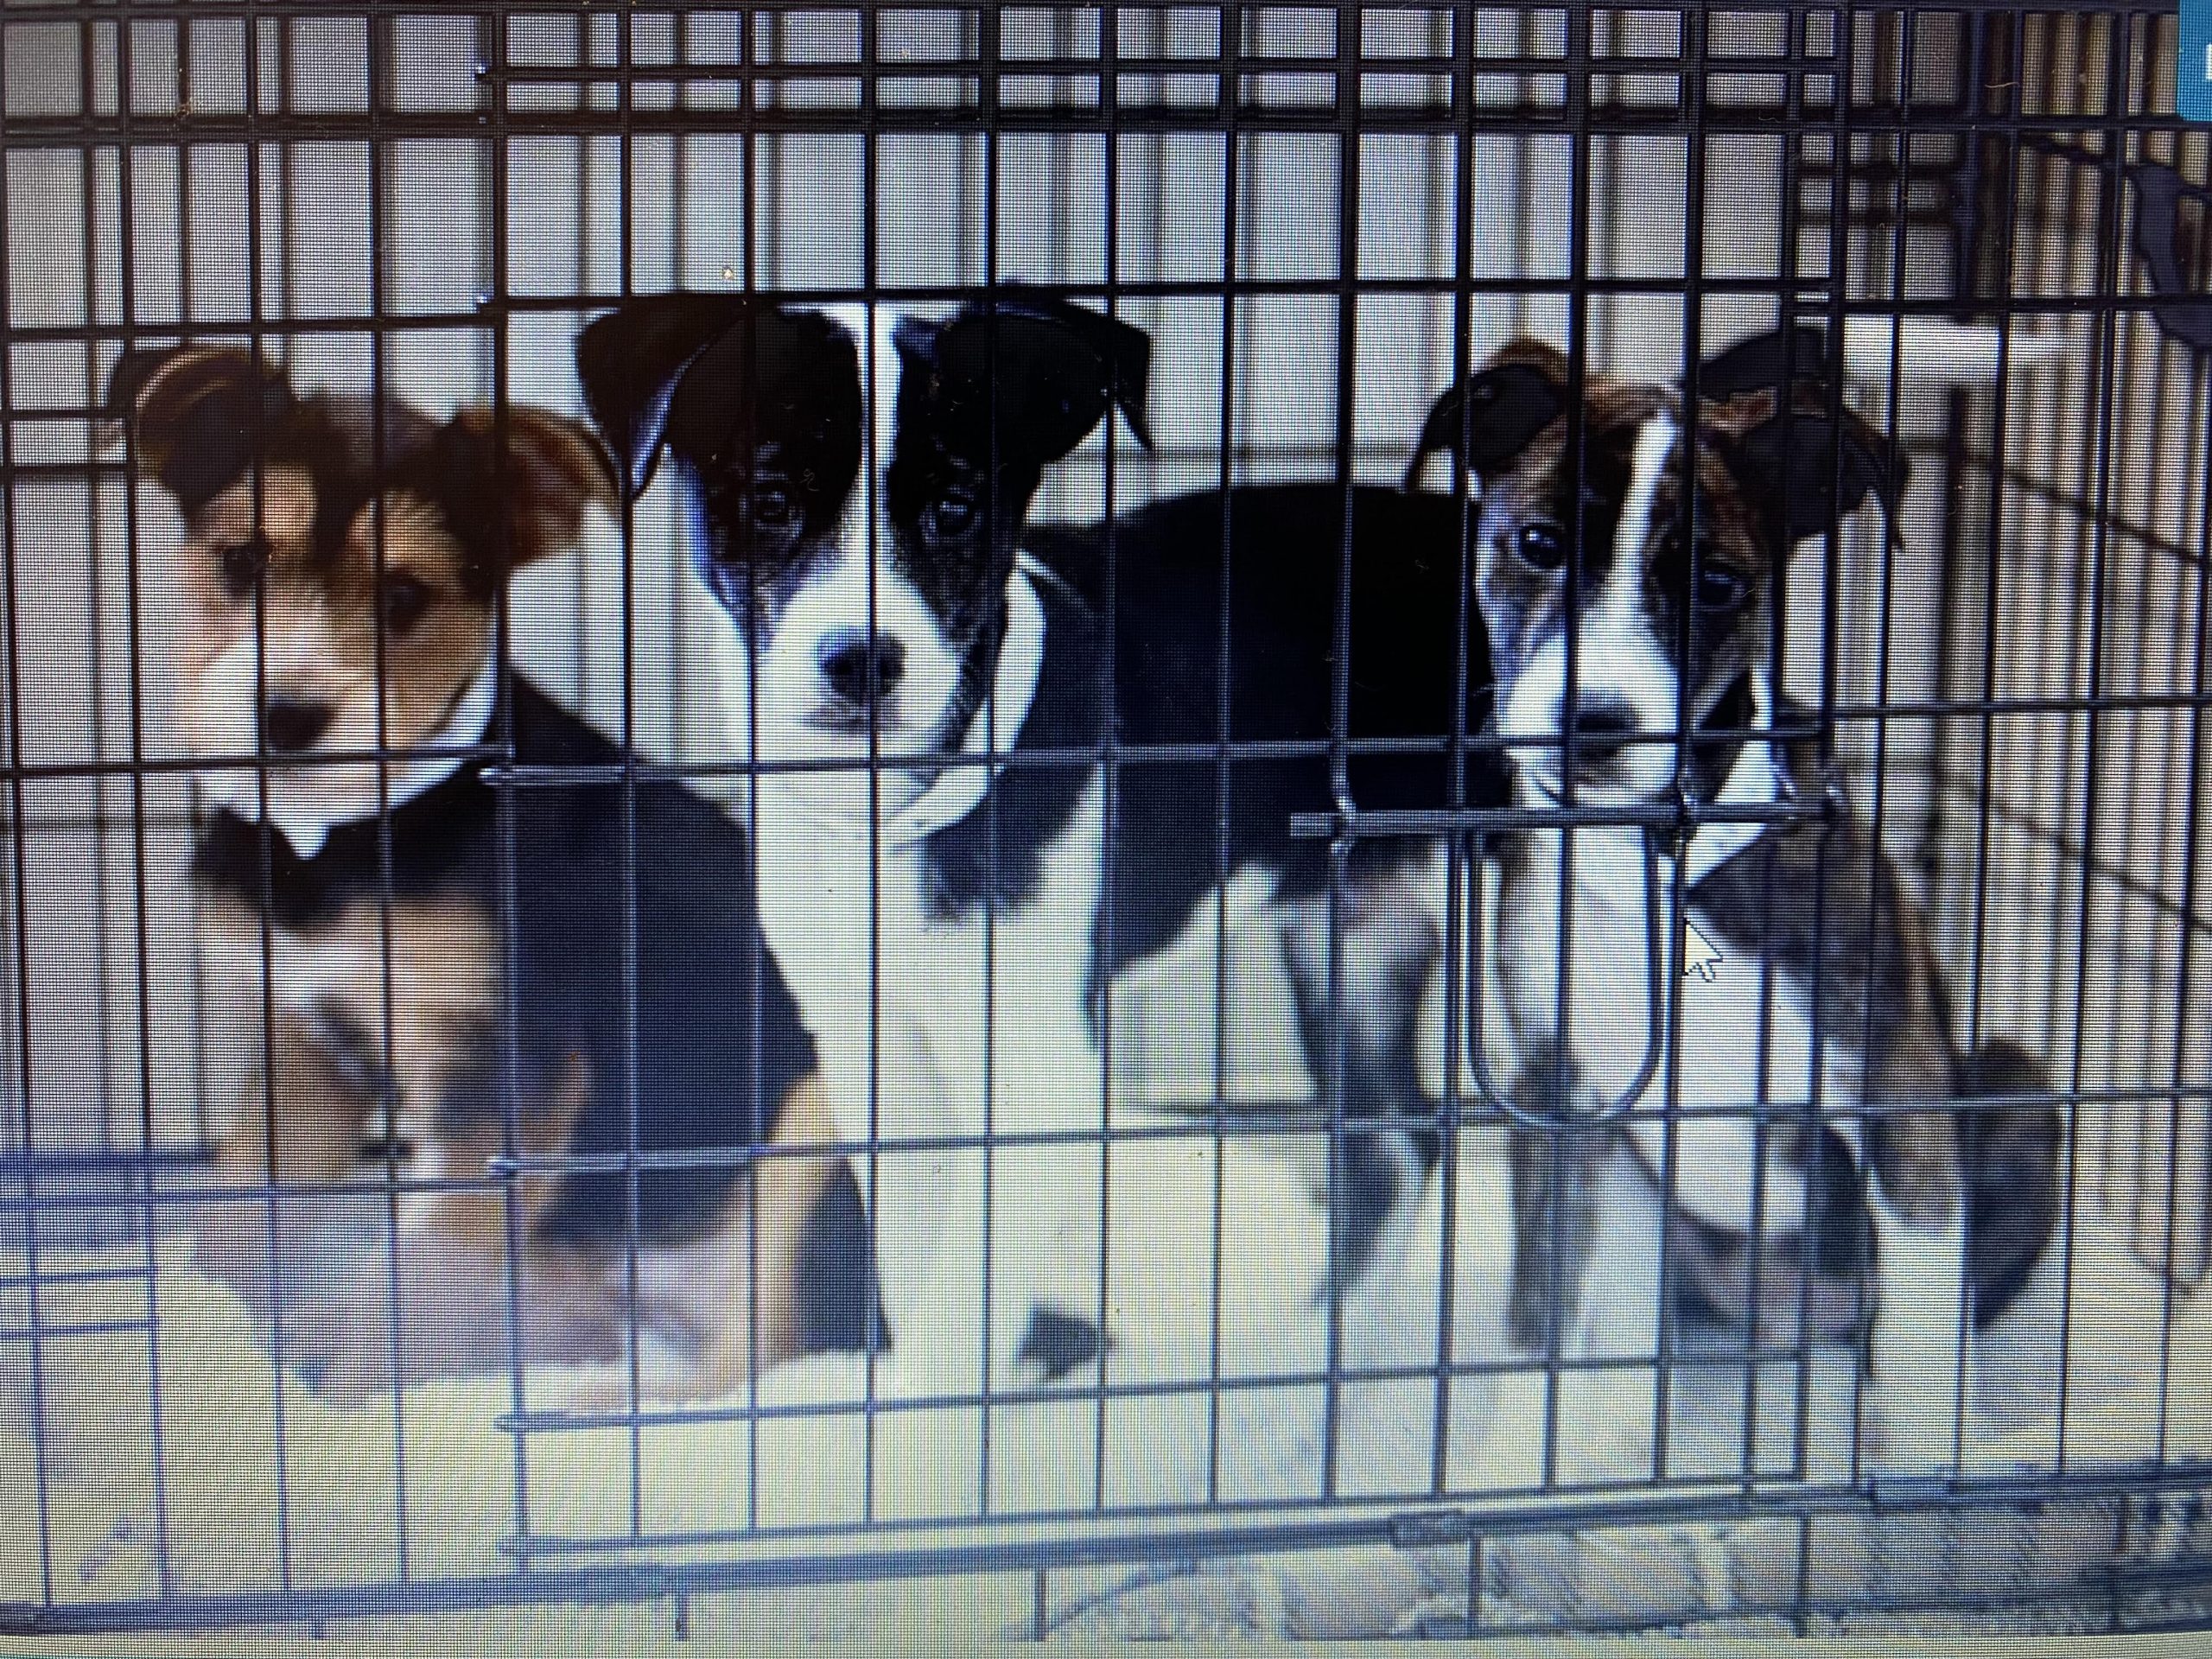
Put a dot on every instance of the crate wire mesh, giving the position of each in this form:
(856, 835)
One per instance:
(1316, 212)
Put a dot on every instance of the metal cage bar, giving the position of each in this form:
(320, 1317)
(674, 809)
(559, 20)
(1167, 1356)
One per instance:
(1322, 213)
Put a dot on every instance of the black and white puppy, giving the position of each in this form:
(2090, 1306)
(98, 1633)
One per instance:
(949, 873)
(1808, 993)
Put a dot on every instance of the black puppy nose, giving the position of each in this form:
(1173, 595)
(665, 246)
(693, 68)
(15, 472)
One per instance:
(1603, 724)
(856, 666)
(288, 726)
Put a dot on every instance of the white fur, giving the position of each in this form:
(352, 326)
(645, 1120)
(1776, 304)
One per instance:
(871, 328)
(935, 1033)
(1655, 443)
(1623, 660)
(1199, 1443)
(1714, 1022)
(1610, 1033)
(925, 1032)
(1606, 1419)
(1919, 1308)
(929, 1030)
(1920, 1344)
(934, 1030)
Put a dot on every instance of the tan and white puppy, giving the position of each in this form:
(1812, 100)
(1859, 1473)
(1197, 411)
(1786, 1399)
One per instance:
(569, 979)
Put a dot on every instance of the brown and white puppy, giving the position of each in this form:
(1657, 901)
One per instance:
(1810, 1019)
(570, 975)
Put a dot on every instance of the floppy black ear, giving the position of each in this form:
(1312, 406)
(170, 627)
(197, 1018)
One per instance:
(1495, 411)
(198, 411)
(1808, 467)
(1052, 370)
(1768, 362)
(1811, 470)
(631, 360)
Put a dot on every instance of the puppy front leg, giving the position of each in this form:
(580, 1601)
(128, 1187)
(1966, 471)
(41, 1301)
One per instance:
(927, 1191)
(442, 1304)
(1587, 1226)
(1046, 1196)
(297, 1128)
(1918, 1348)
(1586, 1239)
(1608, 1389)
(911, 1192)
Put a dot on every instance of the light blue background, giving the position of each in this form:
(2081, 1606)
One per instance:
(2193, 86)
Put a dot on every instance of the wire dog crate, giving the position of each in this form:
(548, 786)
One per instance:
(1318, 212)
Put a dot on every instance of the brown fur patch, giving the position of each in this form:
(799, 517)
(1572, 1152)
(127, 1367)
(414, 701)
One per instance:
(287, 520)
(1915, 1154)
(333, 1075)
(1614, 410)
(1552, 1187)
(1763, 485)
(729, 1305)
(716, 1311)
(555, 469)
(449, 1282)
(197, 412)
(316, 1139)
(331, 980)
(721, 1307)
(775, 1210)
(1876, 980)
(329, 1270)
(1909, 1058)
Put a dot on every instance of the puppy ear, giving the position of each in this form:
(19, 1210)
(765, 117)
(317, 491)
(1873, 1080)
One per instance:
(1813, 464)
(198, 412)
(630, 361)
(1768, 362)
(554, 469)
(1495, 411)
(1811, 468)
(1050, 370)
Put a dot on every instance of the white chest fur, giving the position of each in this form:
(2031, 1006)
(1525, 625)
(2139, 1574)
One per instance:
(1724, 1039)
(935, 1033)
(848, 917)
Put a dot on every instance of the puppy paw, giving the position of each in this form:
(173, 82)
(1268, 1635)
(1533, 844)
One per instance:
(594, 1390)
(597, 1387)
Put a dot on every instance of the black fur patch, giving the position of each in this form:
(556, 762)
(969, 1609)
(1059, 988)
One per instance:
(1184, 826)
(1058, 1343)
(993, 856)
(841, 1312)
(699, 1085)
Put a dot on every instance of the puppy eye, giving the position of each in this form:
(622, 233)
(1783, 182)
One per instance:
(953, 513)
(405, 599)
(1720, 590)
(1542, 544)
(773, 507)
(242, 563)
